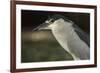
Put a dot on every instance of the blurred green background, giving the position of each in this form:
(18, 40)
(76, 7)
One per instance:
(41, 46)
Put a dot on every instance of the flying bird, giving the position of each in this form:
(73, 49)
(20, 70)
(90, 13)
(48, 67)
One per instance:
(72, 38)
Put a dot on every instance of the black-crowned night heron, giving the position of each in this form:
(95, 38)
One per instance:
(69, 36)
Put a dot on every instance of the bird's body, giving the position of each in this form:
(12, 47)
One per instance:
(65, 34)
(81, 50)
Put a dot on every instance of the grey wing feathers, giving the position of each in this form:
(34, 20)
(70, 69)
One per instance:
(83, 35)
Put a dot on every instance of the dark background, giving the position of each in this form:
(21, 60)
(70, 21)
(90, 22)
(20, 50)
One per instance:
(41, 46)
(31, 19)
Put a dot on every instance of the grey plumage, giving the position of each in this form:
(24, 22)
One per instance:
(83, 35)
(68, 35)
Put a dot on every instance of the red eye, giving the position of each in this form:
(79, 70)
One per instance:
(52, 21)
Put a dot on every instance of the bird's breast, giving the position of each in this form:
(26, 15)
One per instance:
(62, 35)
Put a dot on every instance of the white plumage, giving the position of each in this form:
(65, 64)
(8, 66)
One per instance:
(67, 37)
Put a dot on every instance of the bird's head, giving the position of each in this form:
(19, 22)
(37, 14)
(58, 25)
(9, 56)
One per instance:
(52, 22)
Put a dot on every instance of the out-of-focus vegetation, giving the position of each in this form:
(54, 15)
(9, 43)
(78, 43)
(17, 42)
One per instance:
(40, 47)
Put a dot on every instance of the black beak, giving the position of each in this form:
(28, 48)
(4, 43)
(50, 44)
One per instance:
(40, 27)
(36, 29)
